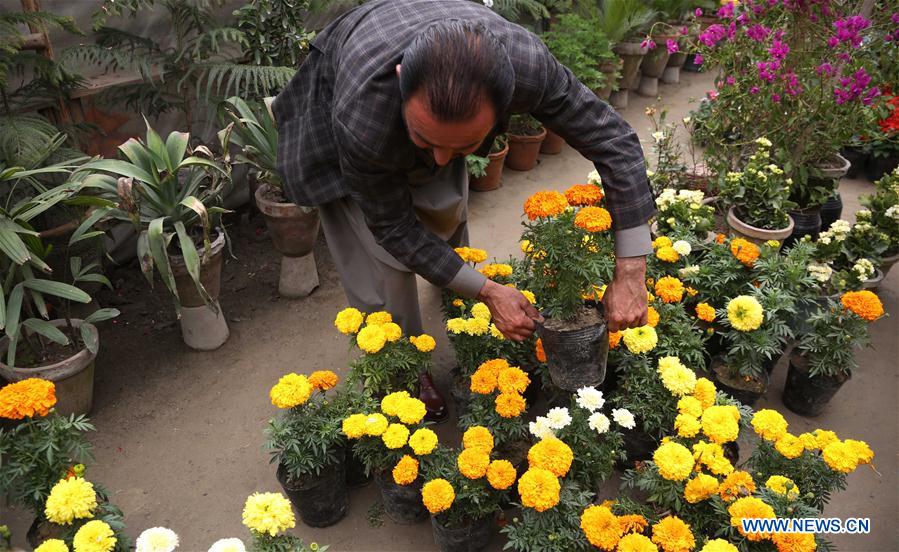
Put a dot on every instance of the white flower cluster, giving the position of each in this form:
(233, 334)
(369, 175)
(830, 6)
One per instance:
(594, 178)
(837, 232)
(893, 212)
(688, 271)
(590, 399)
(682, 247)
(157, 539)
(763, 142)
(820, 271)
(658, 136)
(546, 426)
(862, 215)
(863, 268)
(228, 545)
(624, 418)
(670, 196)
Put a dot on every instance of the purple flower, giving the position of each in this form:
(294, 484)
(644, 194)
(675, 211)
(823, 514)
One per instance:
(775, 98)
(731, 81)
(848, 30)
(685, 30)
(825, 69)
(872, 93)
(768, 70)
(713, 35)
(792, 85)
(698, 12)
(852, 88)
(648, 43)
(726, 11)
(758, 33)
(779, 49)
(754, 90)
(698, 59)
(672, 46)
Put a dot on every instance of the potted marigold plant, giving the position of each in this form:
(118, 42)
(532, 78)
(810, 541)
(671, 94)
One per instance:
(391, 443)
(78, 513)
(554, 528)
(824, 358)
(525, 136)
(306, 442)
(569, 252)
(268, 516)
(883, 205)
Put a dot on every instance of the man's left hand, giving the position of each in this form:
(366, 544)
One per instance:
(625, 298)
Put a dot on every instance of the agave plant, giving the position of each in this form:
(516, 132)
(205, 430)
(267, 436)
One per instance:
(620, 19)
(166, 190)
(252, 129)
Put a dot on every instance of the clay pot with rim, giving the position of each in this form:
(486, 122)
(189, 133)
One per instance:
(523, 150)
(72, 377)
(493, 179)
(552, 144)
(753, 234)
(631, 54)
(653, 66)
(203, 326)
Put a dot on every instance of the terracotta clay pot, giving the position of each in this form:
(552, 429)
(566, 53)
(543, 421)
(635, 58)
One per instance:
(552, 144)
(210, 274)
(523, 151)
(293, 230)
(753, 234)
(493, 179)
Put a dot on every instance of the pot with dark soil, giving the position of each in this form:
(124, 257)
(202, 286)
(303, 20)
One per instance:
(879, 165)
(356, 475)
(638, 446)
(858, 160)
(747, 389)
(471, 536)
(831, 211)
(808, 395)
(402, 503)
(576, 348)
(526, 134)
(320, 499)
(806, 222)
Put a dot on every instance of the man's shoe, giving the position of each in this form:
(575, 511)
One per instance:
(434, 403)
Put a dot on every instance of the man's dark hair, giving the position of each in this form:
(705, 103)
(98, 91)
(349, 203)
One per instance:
(457, 64)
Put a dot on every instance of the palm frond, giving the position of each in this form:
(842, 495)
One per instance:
(513, 9)
(211, 42)
(27, 140)
(108, 59)
(232, 79)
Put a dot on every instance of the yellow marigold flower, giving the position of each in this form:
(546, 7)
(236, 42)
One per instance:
(636, 542)
(390, 404)
(691, 292)
(477, 326)
(711, 455)
(582, 195)
(458, 303)
(27, 398)
(808, 441)
(719, 545)
(669, 289)
(290, 391)
(769, 424)
(704, 391)
(745, 313)
(676, 377)
(478, 437)
(721, 423)
(745, 251)
(601, 527)
(480, 310)
(423, 441)
(773, 244)
(824, 437)
(513, 380)
(410, 411)
(551, 454)
(323, 379)
(371, 339)
(614, 340)
(354, 426)
(437, 495)
(526, 246)
(497, 270)
(455, 325)
(94, 536)
(790, 446)
(674, 461)
(783, 485)
(349, 320)
(376, 424)
(652, 317)
(473, 462)
(509, 405)
(632, 523)
(746, 508)
(70, 499)
(690, 406)
(667, 254)
(52, 545)
(392, 331)
(268, 514)
(539, 489)
(863, 303)
(687, 425)
(861, 450)
(423, 343)
(673, 535)
(406, 470)
(794, 542)
(735, 485)
(640, 340)
(840, 457)
(471, 254)
(494, 331)
(662, 241)
(700, 488)
(593, 219)
(705, 312)
(395, 436)
(545, 204)
(378, 318)
(501, 474)
(529, 295)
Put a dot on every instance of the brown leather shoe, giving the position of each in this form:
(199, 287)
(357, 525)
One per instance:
(434, 402)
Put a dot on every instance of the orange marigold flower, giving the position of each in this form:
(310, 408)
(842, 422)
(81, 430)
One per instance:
(669, 289)
(614, 339)
(593, 219)
(720, 238)
(27, 398)
(863, 303)
(323, 379)
(705, 312)
(745, 251)
(545, 204)
(509, 405)
(632, 523)
(582, 195)
(737, 484)
(652, 316)
(486, 377)
(540, 351)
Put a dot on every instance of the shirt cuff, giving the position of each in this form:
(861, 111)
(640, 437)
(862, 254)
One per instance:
(467, 282)
(633, 242)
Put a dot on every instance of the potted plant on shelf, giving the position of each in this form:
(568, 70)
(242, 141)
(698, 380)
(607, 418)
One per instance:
(525, 136)
(569, 252)
(824, 358)
(293, 228)
(485, 173)
(171, 193)
(883, 205)
(622, 22)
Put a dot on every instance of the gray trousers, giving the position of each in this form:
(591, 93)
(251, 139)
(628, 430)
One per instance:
(372, 278)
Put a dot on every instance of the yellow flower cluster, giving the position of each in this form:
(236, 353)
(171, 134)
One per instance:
(672, 534)
(701, 487)
(371, 339)
(676, 377)
(378, 318)
(437, 495)
(349, 321)
(513, 380)
(790, 446)
(423, 441)
(845, 456)
(783, 485)
(486, 378)
(769, 424)
(392, 331)
(745, 251)
(410, 410)
(291, 391)
(27, 398)
(473, 326)
(473, 462)
(70, 499)
(674, 461)
(395, 436)
(480, 310)
(704, 392)
(582, 195)
(652, 317)
(539, 489)
(406, 470)
(52, 545)
(687, 425)
(423, 342)
(746, 508)
(268, 514)
(376, 424)
(669, 289)
(745, 313)
(721, 423)
(662, 241)
(471, 254)
(737, 484)
(545, 204)
(593, 219)
(711, 455)
(719, 545)
(510, 405)
(497, 270)
(635, 542)
(641, 339)
(94, 536)
(667, 254)
(552, 455)
(501, 474)
(601, 527)
(478, 437)
(353, 426)
(705, 312)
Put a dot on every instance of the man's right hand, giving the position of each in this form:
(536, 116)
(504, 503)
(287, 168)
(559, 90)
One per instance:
(512, 313)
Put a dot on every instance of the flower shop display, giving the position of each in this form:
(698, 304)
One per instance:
(824, 358)
(293, 228)
(485, 173)
(883, 206)
(172, 193)
(525, 136)
(569, 251)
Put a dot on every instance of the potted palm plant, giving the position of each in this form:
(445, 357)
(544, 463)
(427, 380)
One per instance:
(171, 193)
(293, 228)
(622, 21)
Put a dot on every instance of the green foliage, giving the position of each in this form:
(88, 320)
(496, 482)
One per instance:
(579, 45)
(760, 192)
(482, 412)
(641, 391)
(524, 124)
(851, 251)
(683, 216)
(672, 11)
(884, 211)
(475, 498)
(719, 276)
(834, 333)
(395, 367)
(680, 336)
(747, 351)
(555, 529)
(274, 31)
(814, 478)
(594, 454)
(514, 10)
(476, 165)
(283, 542)
(624, 19)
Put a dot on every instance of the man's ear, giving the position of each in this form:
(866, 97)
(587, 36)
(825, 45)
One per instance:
(398, 66)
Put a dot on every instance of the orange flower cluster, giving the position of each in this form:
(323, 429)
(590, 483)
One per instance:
(670, 289)
(705, 312)
(323, 379)
(582, 195)
(27, 398)
(545, 204)
(614, 339)
(863, 303)
(745, 251)
(593, 219)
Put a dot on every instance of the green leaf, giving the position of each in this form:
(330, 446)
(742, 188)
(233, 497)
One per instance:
(122, 168)
(176, 145)
(157, 246)
(191, 259)
(13, 311)
(47, 330)
(11, 244)
(2, 308)
(89, 339)
(96, 278)
(81, 232)
(58, 289)
(158, 150)
(102, 315)
(197, 206)
(191, 161)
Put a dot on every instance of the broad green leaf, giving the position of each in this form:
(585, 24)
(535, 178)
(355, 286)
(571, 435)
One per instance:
(11, 244)
(81, 232)
(138, 154)
(158, 245)
(144, 256)
(122, 168)
(190, 161)
(191, 259)
(96, 278)
(157, 149)
(89, 339)
(176, 145)
(47, 330)
(13, 312)
(102, 315)
(197, 206)
(2, 308)
(58, 289)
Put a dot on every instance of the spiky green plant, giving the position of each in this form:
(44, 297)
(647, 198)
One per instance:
(621, 19)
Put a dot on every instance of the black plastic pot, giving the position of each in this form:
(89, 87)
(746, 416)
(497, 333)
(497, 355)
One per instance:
(472, 537)
(747, 393)
(401, 502)
(732, 452)
(879, 166)
(577, 358)
(320, 499)
(805, 222)
(809, 395)
(355, 471)
(638, 445)
(858, 160)
(831, 211)
(461, 392)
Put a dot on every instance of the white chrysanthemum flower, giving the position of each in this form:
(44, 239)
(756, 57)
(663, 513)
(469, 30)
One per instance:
(489, 3)
(540, 428)
(763, 142)
(624, 418)
(658, 136)
(863, 268)
(157, 539)
(682, 247)
(893, 212)
(840, 227)
(594, 178)
(599, 422)
(688, 271)
(558, 417)
(590, 398)
(820, 271)
(228, 545)
(862, 214)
